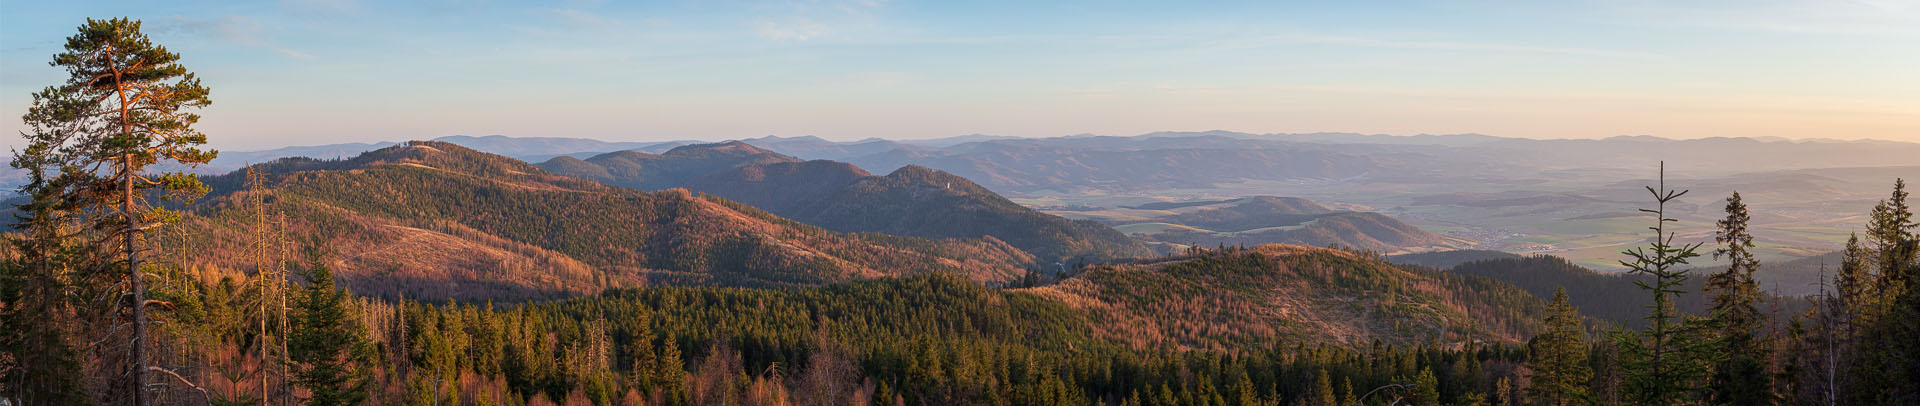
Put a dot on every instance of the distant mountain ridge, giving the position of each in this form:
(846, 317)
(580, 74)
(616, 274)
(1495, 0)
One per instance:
(910, 201)
(673, 168)
(434, 220)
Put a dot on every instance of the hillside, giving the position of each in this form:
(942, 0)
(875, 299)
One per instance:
(1288, 293)
(430, 219)
(778, 187)
(1612, 297)
(645, 171)
(1448, 259)
(921, 202)
(1273, 220)
(912, 201)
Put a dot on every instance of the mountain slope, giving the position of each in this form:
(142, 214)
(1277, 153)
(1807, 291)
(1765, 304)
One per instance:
(1286, 293)
(644, 171)
(1613, 297)
(1252, 213)
(912, 201)
(1279, 220)
(921, 202)
(450, 218)
(1448, 259)
(779, 187)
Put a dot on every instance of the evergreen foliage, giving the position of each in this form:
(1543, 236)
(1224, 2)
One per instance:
(328, 346)
(1742, 374)
(1559, 358)
(1664, 364)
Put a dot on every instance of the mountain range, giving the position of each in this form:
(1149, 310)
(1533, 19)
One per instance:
(910, 201)
(436, 220)
(1568, 198)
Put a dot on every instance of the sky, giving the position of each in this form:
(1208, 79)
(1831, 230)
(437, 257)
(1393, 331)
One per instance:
(307, 72)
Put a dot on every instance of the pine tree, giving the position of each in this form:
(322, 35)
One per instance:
(1741, 375)
(1243, 392)
(1889, 228)
(1503, 392)
(1560, 371)
(1426, 389)
(121, 110)
(1346, 393)
(327, 346)
(1323, 390)
(1664, 364)
(670, 373)
(1902, 333)
(1884, 363)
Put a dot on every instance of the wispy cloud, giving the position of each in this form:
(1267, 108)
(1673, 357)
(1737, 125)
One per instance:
(578, 18)
(794, 29)
(233, 29)
(1861, 18)
(1363, 42)
(801, 20)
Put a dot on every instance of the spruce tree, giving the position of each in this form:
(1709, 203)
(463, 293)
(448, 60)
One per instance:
(1884, 360)
(1662, 365)
(38, 363)
(1346, 393)
(1323, 390)
(1741, 375)
(1426, 389)
(1560, 371)
(329, 352)
(1889, 228)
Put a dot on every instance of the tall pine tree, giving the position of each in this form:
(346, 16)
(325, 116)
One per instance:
(124, 107)
(1884, 365)
(1560, 370)
(1741, 376)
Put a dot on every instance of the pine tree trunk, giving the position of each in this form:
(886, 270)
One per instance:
(139, 291)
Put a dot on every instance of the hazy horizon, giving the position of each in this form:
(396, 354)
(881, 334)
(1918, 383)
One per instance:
(302, 72)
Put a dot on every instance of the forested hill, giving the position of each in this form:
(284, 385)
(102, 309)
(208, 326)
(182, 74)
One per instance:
(1239, 297)
(1610, 297)
(435, 220)
(911, 201)
(1273, 220)
(644, 171)
(921, 202)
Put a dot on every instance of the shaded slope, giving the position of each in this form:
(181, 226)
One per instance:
(1252, 213)
(778, 187)
(644, 171)
(1282, 220)
(921, 202)
(1286, 293)
(440, 213)
(1612, 297)
(1448, 259)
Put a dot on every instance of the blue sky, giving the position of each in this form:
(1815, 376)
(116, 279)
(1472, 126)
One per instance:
(303, 72)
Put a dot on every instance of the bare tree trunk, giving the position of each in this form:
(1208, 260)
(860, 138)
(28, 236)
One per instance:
(280, 292)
